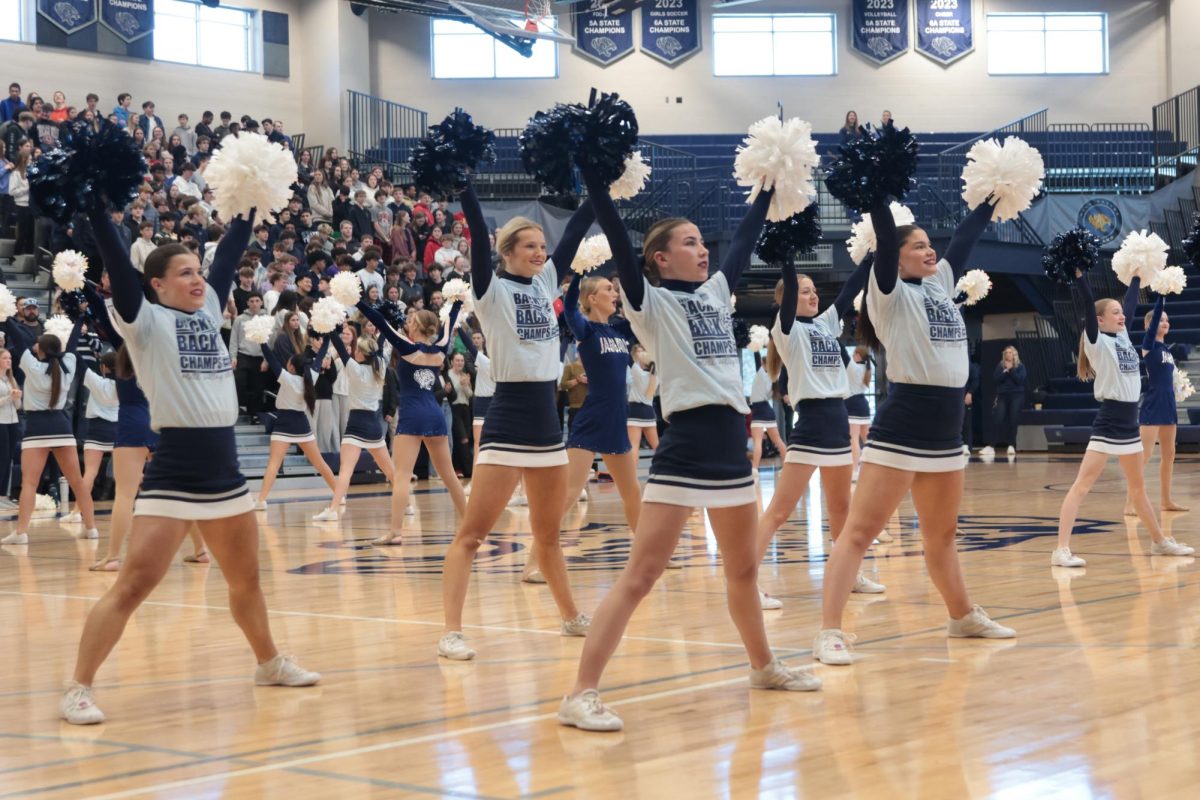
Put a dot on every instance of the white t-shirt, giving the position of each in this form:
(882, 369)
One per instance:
(102, 398)
(854, 378)
(760, 387)
(691, 336)
(813, 357)
(182, 365)
(922, 330)
(363, 389)
(638, 381)
(1117, 366)
(38, 382)
(484, 385)
(520, 327)
(370, 279)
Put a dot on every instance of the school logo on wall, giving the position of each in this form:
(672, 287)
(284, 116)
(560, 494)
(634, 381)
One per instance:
(130, 20)
(1101, 218)
(602, 37)
(68, 16)
(670, 29)
(945, 29)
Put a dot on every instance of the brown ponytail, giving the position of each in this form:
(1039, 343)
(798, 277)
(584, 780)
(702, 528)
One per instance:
(1083, 367)
(50, 348)
(124, 364)
(300, 364)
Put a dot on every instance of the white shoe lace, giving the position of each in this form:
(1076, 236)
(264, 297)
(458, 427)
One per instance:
(846, 639)
(591, 702)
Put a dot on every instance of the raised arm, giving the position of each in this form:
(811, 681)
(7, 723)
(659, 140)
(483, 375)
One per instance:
(225, 261)
(73, 340)
(791, 295)
(481, 253)
(1152, 328)
(738, 256)
(1090, 323)
(577, 228)
(887, 248)
(445, 343)
(965, 236)
(272, 360)
(319, 359)
(1129, 304)
(577, 322)
(854, 284)
(125, 280)
(632, 283)
(403, 346)
(336, 336)
(99, 311)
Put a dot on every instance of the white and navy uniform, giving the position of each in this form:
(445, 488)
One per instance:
(762, 412)
(1158, 403)
(103, 408)
(293, 423)
(485, 387)
(857, 407)
(641, 406)
(521, 428)
(185, 370)
(46, 424)
(1118, 382)
(364, 390)
(918, 427)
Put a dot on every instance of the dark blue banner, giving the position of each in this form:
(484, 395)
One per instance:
(603, 37)
(68, 16)
(880, 29)
(945, 31)
(130, 20)
(671, 29)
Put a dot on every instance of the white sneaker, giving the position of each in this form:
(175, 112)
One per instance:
(454, 647)
(864, 585)
(77, 705)
(533, 577)
(284, 671)
(768, 603)
(778, 675)
(883, 537)
(1012, 451)
(987, 452)
(1170, 547)
(1062, 557)
(15, 538)
(90, 533)
(583, 495)
(577, 626)
(966, 450)
(518, 500)
(410, 511)
(260, 505)
(328, 515)
(978, 625)
(74, 516)
(387, 539)
(586, 712)
(832, 646)
(342, 504)
(467, 490)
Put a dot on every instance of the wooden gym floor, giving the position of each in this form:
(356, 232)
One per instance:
(1096, 697)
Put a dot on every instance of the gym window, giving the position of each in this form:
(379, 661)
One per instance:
(774, 44)
(461, 50)
(1047, 44)
(190, 33)
(10, 20)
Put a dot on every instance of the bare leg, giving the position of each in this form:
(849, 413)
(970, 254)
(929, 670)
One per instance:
(404, 455)
(383, 459)
(439, 454)
(33, 461)
(313, 453)
(545, 486)
(68, 463)
(477, 428)
(274, 461)
(635, 438)
(1166, 469)
(349, 460)
(1149, 434)
(789, 488)
(855, 446)
(739, 555)
(756, 437)
(199, 554)
(579, 467)
(937, 497)
(623, 469)
(234, 542)
(1089, 469)
(777, 440)
(651, 435)
(836, 483)
(92, 459)
(1131, 465)
(128, 463)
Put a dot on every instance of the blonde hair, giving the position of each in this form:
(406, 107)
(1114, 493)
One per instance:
(588, 287)
(506, 237)
(1016, 355)
(774, 361)
(658, 240)
(368, 347)
(1083, 368)
(427, 321)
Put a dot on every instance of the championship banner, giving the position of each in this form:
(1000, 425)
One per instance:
(130, 20)
(880, 29)
(68, 16)
(603, 38)
(670, 29)
(944, 29)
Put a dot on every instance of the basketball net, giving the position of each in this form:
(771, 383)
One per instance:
(535, 12)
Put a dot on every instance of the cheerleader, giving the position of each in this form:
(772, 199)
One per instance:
(1158, 415)
(295, 402)
(103, 406)
(1107, 356)
(419, 418)
(10, 428)
(762, 416)
(521, 434)
(806, 343)
(47, 367)
(485, 387)
(176, 348)
(642, 381)
(858, 380)
(686, 319)
(916, 440)
(364, 424)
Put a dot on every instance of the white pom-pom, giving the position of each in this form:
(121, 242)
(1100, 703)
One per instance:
(260, 329)
(327, 313)
(862, 234)
(760, 337)
(1171, 280)
(8, 303)
(632, 180)
(458, 290)
(779, 155)
(345, 288)
(1010, 173)
(975, 284)
(593, 251)
(858, 301)
(69, 267)
(1183, 386)
(250, 172)
(1141, 256)
(463, 315)
(733, 302)
(61, 326)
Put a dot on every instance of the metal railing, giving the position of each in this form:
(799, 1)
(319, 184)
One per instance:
(1115, 157)
(382, 130)
(1033, 128)
(1179, 118)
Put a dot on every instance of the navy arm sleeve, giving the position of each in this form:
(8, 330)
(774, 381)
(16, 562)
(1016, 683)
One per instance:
(887, 248)
(854, 284)
(125, 280)
(791, 295)
(568, 245)
(1090, 324)
(738, 256)
(100, 314)
(481, 254)
(1152, 328)
(319, 359)
(272, 360)
(339, 345)
(1129, 304)
(632, 282)
(577, 322)
(402, 345)
(73, 339)
(229, 254)
(965, 237)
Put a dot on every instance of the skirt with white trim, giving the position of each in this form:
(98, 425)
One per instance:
(522, 428)
(45, 429)
(479, 409)
(1115, 431)
(858, 410)
(917, 428)
(101, 433)
(364, 429)
(133, 426)
(821, 435)
(701, 461)
(292, 427)
(641, 415)
(762, 415)
(194, 475)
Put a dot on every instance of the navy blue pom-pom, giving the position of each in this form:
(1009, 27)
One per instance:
(1076, 249)
(601, 135)
(796, 235)
(741, 333)
(393, 313)
(1191, 245)
(609, 137)
(875, 169)
(450, 150)
(89, 171)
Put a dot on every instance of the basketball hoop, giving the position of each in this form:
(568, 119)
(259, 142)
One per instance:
(535, 12)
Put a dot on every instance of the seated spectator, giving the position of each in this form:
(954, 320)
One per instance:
(369, 274)
(143, 246)
(184, 181)
(410, 289)
(166, 230)
(135, 218)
